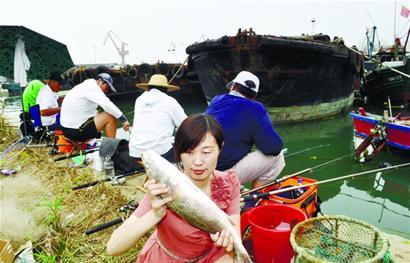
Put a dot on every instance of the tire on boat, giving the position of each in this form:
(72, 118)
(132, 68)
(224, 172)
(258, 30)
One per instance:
(192, 77)
(163, 69)
(133, 73)
(102, 69)
(180, 74)
(88, 74)
(144, 71)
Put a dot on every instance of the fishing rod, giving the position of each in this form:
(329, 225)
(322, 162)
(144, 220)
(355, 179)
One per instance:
(48, 145)
(179, 69)
(262, 195)
(108, 179)
(292, 175)
(276, 181)
(331, 161)
(307, 149)
(65, 157)
(129, 207)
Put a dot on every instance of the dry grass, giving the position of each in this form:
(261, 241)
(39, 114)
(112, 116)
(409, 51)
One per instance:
(38, 204)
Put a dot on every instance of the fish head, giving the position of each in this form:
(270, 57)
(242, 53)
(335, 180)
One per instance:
(157, 167)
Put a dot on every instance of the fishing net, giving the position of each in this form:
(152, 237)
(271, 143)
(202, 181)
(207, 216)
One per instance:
(338, 239)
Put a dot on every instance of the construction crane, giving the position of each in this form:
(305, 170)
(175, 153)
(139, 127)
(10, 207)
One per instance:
(122, 52)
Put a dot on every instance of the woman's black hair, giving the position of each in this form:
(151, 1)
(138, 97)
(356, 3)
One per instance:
(192, 132)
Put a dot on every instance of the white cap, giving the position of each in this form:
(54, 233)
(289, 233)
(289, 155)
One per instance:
(246, 79)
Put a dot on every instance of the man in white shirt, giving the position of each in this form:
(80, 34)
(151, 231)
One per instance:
(47, 99)
(156, 116)
(80, 120)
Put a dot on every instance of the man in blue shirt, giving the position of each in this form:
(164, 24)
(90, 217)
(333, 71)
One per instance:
(246, 123)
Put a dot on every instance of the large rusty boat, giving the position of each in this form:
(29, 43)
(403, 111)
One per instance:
(302, 78)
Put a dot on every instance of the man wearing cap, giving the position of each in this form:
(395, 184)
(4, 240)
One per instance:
(80, 120)
(246, 123)
(156, 116)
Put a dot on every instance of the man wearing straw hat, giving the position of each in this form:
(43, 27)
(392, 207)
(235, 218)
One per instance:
(156, 116)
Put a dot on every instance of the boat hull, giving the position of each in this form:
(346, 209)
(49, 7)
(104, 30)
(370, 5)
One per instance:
(126, 77)
(294, 73)
(398, 135)
(382, 83)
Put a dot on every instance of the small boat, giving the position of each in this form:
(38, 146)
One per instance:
(388, 74)
(13, 88)
(302, 77)
(377, 131)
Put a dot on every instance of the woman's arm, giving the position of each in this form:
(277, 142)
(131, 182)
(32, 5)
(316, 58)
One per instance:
(135, 227)
(236, 221)
(127, 235)
(225, 238)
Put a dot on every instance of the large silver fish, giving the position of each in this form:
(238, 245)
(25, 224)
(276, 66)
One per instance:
(190, 202)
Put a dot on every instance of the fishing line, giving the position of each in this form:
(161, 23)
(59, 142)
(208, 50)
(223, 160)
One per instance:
(257, 196)
(374, 202)
(307, 149)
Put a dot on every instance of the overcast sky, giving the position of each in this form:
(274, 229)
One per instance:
(150, 27)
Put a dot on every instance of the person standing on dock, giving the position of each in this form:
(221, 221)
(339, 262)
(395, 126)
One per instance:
(80, 119)
(156, 117)
(246, 123)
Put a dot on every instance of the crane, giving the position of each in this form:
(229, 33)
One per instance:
(122, 52)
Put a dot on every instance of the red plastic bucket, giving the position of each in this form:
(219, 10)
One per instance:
(271, 226)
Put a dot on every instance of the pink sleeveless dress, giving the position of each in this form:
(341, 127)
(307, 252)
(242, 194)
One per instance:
(175, 240)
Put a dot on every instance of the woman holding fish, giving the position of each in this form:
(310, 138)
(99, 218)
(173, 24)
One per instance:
(186, 207)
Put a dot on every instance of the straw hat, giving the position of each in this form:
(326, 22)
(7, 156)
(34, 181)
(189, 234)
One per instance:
(158, 80)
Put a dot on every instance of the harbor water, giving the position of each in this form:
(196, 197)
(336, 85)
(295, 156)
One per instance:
(382, 200)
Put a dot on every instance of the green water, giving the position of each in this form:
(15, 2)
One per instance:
(384, 202)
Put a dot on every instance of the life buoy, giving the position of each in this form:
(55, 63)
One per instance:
(177, 74)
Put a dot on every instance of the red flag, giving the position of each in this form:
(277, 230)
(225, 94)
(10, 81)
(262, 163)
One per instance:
(404, 11)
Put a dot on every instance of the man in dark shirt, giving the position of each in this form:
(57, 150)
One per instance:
(246, 123)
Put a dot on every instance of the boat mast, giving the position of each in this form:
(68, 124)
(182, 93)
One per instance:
(313, 26)
(405, 44)
(395, 9)
(371, 43)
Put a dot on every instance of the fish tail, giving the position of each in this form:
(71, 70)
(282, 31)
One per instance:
(241, 256)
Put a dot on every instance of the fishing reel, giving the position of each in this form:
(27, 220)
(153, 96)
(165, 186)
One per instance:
(130, 206)
(116, 180)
